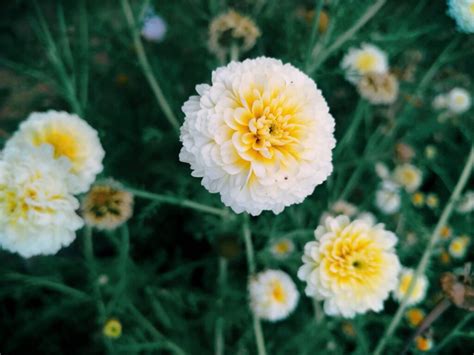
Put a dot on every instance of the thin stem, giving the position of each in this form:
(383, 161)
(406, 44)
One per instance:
(172, 200)
(257, 326)
(343, 38)
(420, 270)
(124, 246)
(219, 330)
(146, 67)
(234, 52)
(318, 311)
(455, 332)
(318, 6)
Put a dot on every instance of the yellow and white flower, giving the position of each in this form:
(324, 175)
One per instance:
(408, 176)
(366, 59)
(440, 102)
(352, 266)
(459, 100)
(458, 246)
(71, 137)
(37, 212)
(261, 135)
(273, 295)
(387, 197)
(466, 204)
(282, 247)
(462, 11)
(419, 290)
(432, 200)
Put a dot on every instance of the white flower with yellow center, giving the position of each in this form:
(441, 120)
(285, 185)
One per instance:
(462, 11)
(366, 59)
(466, 203)
(458, 246)
(273, 295)
(282, 247)
(352, 266)
(459, 100)
(261, 135)
(387, 197)
(419, 290)
(37, 212)
(408, 176)
(71, 137)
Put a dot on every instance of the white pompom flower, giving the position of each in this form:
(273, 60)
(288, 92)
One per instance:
(419, 290)
(408, 176)
(387, 197)
(459, 100)
(366, 59)
(70, 137)
(273, 295)
(352, 266)
(261, 135)
(37, 212)
(462, 11)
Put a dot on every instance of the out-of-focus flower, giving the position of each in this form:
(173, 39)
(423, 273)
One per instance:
(444, 257)
(387, 197)
(432, 200)
(70, 137)
(418, 199)
(430, 152)
(419, 290)
(459, 100)
(352, 266)
(367, 217)
(445, 232)
(308, 16)
(112, 328)
(466, 203)
(458, 246)
(404, 152)
(408, 176)
(462, 11)
(37, 211)
(382, 171)
(378, 88)
(103, 280)
(154, 27)
(348, 329)
(344, 207)
(107, 205)
(282, 248)
(232, 29)
(415, 316)
(361, 61)
(459, 290)
(273, 295)
(440, 102)
(423, 343)
(261, 135)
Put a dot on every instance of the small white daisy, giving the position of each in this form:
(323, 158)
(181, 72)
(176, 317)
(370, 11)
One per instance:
(459, 100)
(366, 59)
(408, 176)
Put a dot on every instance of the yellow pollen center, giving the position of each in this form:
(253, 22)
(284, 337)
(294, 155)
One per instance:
(282, 247)
(471, 9)
(405, 284)
(365, 62)
(278, 293)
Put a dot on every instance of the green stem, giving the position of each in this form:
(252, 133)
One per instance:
(178, 202)
(234, 52)
(122, 266)
(257, 326)
(420, 270)
(219, 330)
(146, 67)
(454, 333)
(318, 6)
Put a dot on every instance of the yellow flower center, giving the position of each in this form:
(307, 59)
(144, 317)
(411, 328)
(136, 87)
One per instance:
(459, 99)
(365, 62)
(471, 9)
(405, 284)
(282, 247)
(113, 328)
(64, 142)
(408, 176)
(278, 292)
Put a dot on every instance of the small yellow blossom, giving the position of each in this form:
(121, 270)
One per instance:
(282, 247)
(415, 316)
(418, 199)
(444, 257)
(445, 232)
(432, 201)
(430, 152)
(112, 328)
(458, 246)
(423, 343)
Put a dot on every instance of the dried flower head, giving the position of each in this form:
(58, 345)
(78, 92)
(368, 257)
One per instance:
(459, 290)
(107, 205)
(232, 28)
(378, 88)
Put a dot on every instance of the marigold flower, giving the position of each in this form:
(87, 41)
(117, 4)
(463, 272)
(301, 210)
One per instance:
(71, 137)
(419, 290)
(261, 135)
(366, 59)
(378, 88)
(273, 295)
(462, 11)
(37, 212)
(408, 176)
(112, 328)
(107, 205)
(458, 246)
(282, 247)
(352, 266)
(232, 28)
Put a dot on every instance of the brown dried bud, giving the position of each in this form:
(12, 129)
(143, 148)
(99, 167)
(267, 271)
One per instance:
(404, 152)
(458, 290)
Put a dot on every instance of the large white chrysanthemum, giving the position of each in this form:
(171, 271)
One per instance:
(418, 292)
(352, 266)
(71, 137)
(366, 59)
(462, 11)
(37, 212)
(260, 135)
(273, 295)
